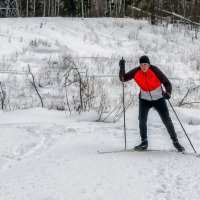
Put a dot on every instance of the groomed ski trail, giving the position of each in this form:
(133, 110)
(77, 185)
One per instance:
(70, 168)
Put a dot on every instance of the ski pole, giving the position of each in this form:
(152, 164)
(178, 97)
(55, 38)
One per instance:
(124, 117)
(182, 127)
(123, 101)
(118, 106)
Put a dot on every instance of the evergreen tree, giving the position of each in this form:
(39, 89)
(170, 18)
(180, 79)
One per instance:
(69, 8)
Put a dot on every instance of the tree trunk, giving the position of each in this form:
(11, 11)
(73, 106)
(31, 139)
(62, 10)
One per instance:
(34, 8)
(58, 8)
(44, 9)
(152, 10)
(27, 8)
(49, 8)
(52, 8)
(82, 8)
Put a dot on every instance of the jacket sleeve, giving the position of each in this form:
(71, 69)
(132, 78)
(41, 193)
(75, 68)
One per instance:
(129, 75)
(163, 79)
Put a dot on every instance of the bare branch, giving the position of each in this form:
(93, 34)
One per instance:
(34, 85)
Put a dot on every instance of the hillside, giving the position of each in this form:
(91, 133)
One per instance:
(95, 46)
(46, 154)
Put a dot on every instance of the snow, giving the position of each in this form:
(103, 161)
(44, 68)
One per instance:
(34, 40)
(49, 155)
(46, 155)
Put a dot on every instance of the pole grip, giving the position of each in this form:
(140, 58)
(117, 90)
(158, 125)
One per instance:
(123, 71)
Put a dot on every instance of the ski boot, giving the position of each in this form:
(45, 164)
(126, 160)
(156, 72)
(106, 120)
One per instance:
(142, 147)
(178, 147)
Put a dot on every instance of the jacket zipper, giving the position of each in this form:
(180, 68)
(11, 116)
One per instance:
(148, 86)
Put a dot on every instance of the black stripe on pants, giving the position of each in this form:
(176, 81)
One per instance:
(160, 106)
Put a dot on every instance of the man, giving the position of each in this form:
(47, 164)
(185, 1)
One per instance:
(149, 78)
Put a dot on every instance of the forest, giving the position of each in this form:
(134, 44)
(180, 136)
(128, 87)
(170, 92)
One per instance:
(154, 10)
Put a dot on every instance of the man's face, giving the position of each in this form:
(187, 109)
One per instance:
(144, 66)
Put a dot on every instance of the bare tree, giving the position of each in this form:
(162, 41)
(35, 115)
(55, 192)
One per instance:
(49, 7)
(52, 8)
(58, 8)
(82, 8)
(187, 94)
(2, 95)
(34, 8)
(27, 3)
(44, 8)
(33, 83)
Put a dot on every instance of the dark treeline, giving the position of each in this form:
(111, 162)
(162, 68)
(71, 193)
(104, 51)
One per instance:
(155, 9)
(74, 8)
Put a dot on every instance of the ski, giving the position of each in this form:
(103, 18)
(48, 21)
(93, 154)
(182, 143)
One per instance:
(115, 151)
(148, 150)
(132, 150)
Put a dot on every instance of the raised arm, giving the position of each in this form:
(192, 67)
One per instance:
(123, 76)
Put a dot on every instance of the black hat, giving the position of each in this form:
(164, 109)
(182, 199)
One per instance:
(144, 59)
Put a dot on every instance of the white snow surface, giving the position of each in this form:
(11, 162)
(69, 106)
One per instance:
(35, 41)
(46, 155)
(49, 155)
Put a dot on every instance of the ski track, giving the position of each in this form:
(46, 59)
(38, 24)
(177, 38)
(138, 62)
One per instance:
(32, 140)
(61, 160)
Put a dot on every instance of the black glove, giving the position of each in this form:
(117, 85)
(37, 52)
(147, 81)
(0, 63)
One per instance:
(122, 64)
(167, 95)
(122, 69)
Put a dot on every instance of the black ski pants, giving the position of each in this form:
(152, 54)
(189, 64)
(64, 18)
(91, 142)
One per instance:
(160, 106)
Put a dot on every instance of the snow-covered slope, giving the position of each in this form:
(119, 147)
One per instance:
(96, 44)
(36, 40)
(48, 155)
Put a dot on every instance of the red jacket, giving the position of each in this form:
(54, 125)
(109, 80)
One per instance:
(149, 82)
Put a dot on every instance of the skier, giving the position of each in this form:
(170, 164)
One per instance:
(149, 78)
